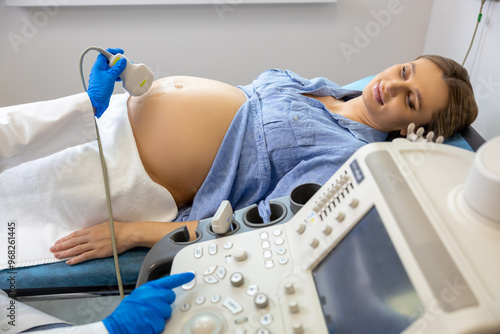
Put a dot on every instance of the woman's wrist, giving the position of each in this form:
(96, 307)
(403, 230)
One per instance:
(142, 234)
(148, 233)
(130, 234)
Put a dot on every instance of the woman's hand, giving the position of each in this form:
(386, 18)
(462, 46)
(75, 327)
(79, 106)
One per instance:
(95, 242)
(92, 243)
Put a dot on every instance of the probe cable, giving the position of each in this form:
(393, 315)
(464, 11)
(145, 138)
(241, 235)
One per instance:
(475, 30)
(106, 180)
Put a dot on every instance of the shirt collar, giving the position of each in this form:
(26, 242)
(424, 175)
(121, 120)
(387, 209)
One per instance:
(360, 131)
(322, 87)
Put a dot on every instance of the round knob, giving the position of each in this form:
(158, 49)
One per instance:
(482, 189)
(340, 216)
(354, 203)
(297, 328)
(261, 300)
(300, 227)
(240, 255)
(313, 242)
(293, 307)
(326, 229)
(289, 288)
(316, 208)
(237, 279)
(205, 323)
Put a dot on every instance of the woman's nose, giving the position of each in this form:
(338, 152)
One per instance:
(394, 87)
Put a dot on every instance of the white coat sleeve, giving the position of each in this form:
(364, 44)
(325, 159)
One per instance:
(19, 317)
(94, 328)
(35, 130)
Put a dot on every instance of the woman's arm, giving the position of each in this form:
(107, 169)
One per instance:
(95, 242)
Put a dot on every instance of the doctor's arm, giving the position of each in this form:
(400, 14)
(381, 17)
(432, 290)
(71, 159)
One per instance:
(35, 130)
(145, 310)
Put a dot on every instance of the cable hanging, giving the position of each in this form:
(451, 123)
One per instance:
(475, 30)
(106, 181)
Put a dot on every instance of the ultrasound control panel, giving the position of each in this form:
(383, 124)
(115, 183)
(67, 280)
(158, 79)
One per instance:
(251, 303)
(380, 247)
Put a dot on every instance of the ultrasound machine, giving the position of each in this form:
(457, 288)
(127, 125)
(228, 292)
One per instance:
(405, 237)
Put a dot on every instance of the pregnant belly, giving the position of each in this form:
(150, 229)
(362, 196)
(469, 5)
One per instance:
(179, 125)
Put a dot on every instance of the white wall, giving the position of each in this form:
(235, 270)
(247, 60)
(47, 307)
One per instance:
(450, 31)
(229, 41)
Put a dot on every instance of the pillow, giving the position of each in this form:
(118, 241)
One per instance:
(360, 84)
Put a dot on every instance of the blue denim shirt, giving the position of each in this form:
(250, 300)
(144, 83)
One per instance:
(279, 139)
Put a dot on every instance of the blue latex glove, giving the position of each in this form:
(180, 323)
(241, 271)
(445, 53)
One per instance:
(102, 81)
(147, 307)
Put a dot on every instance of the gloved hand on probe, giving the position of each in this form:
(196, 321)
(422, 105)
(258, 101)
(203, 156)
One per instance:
(147, 307)
(102, 81)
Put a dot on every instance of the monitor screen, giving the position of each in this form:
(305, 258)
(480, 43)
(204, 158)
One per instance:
(362, 284)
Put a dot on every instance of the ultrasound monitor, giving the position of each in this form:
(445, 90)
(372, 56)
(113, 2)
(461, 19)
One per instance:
(362, 284)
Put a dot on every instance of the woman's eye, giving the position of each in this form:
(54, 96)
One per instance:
(408, 101)
(403, 72)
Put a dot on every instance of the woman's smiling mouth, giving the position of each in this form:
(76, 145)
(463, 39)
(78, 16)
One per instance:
(377, 92)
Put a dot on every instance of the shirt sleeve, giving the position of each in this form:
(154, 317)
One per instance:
(35, 130)
(94, 328)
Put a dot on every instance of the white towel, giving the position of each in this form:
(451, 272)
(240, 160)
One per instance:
(46, 199)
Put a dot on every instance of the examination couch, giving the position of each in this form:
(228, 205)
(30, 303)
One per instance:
(97, 277)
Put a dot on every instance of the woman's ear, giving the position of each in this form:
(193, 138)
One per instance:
(409, 129)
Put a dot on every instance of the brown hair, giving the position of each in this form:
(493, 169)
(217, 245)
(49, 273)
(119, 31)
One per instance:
(461, 108)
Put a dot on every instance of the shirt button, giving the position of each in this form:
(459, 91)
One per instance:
(295, 118)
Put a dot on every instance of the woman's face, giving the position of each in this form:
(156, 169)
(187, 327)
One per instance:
(404, 94)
